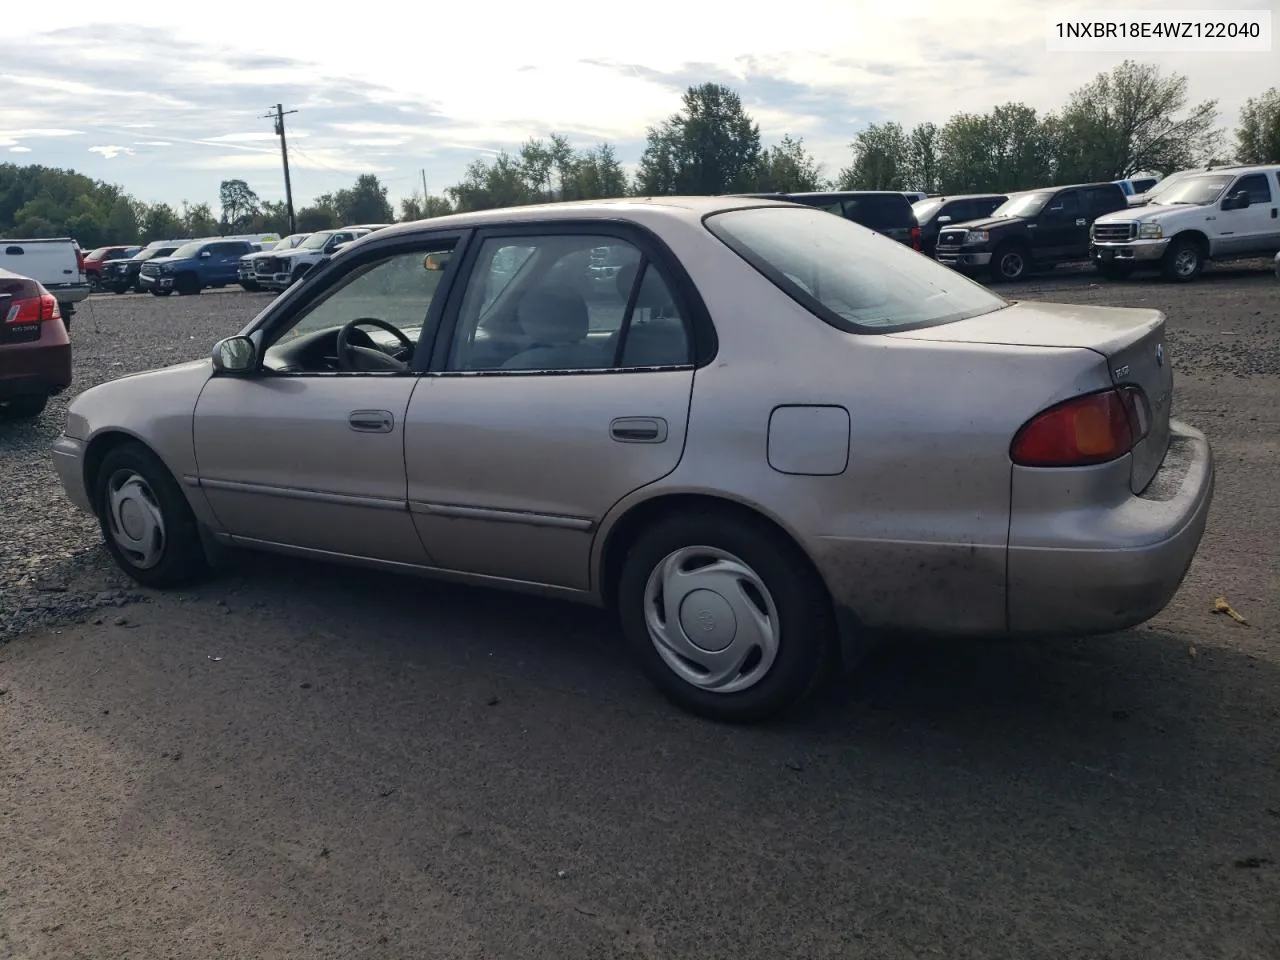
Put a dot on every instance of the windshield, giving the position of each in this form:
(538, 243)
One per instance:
(1196, 191)
(188, 250)
(288, 243)
(155, 252)
(854, 279)
(315, 241)
(1023, 205)
(925, 210)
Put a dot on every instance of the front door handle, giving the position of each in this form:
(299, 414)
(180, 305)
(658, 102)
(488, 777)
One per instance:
(638, 430)
(372, 421)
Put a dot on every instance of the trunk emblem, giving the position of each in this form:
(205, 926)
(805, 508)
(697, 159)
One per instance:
(1159, 354)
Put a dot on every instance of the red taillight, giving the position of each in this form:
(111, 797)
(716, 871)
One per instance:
(1094, 428)
(915, 238)
(33, 310)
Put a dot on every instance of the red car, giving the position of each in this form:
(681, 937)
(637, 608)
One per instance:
(35, 352)
(94, 259)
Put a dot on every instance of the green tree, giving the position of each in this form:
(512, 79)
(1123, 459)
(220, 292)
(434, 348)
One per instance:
(413, 208)
(880, 159)
(488, 185)
(1132, 119)
(198, 220)
(122, 222)
(273, 217)
(920, 168)
(787, 167)
(710, 146)
(239, 205)
(595, 174)
(160, 222)
(364, 202)
(1258, 136)
(316, 217)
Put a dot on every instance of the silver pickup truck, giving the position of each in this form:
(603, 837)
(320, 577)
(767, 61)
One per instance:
(57, 264)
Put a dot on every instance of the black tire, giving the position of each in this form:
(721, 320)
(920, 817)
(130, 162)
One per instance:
(160, 293)
(187, 284)
(120, 290)
(1115, 271)
(26, 407)
(250, 286)
(181, 555)
(805, 625)
(298, 274)
(1183, 261)
(1010, 262)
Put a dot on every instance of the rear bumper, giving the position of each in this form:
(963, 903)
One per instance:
(1131, 251)
(41, 367)
(1102, 569)
(68, 461)
(68, 292)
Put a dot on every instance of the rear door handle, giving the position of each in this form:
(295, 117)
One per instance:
(372, 421)
(638, 430)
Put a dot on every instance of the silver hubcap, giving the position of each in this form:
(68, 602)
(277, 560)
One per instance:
(1011, 264)
(711, 619)
(134, 519)
(1185, 262)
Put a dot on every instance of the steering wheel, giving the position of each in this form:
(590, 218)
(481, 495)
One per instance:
(355, 358)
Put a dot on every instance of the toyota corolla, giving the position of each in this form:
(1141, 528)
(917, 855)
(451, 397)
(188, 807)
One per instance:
(771, 433)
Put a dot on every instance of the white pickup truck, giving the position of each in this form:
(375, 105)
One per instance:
(57, 264)
(1231, 213)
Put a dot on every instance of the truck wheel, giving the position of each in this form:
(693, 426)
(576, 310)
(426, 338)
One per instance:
(187, 285)
(1011, 261)
(299, 274)
(1183, 261)
(23, 408)
(161, 293)
(250, 286)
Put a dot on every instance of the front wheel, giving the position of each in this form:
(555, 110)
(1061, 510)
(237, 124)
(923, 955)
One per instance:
(1010, 262)
(146, 521)
(1115, 271)
(250, 286)
(726, 617)
(1183, 261)
(160, 293)
(299, 274)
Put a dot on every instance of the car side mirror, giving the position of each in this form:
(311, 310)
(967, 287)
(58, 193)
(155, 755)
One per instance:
(234, 355)
(1237, 201)
(944, 219)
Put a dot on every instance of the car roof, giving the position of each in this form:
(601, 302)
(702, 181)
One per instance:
(964, 196)
(688, 209)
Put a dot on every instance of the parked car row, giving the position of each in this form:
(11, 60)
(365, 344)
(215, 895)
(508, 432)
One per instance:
(293, 257)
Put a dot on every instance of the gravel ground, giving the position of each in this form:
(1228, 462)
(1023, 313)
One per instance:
(307, 761)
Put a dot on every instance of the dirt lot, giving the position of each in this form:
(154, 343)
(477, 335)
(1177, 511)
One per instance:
(302, 761)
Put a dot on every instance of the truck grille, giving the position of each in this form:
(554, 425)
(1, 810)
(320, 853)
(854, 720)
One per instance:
(1115, 232)
(150, 269)
(267, 265)
(951, 238)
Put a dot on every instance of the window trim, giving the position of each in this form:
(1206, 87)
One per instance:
(693, 311)
(285, 310)
(1236, 188)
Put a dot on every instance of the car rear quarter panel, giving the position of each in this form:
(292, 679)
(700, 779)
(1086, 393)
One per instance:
(914, 533)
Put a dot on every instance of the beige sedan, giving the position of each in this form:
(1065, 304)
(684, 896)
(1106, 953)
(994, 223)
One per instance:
(761, 435)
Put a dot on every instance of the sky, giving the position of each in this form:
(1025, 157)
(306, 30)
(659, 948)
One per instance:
(168, 99)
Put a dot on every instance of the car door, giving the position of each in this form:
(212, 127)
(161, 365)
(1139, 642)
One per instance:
(1062, 231)
(300, 454)
(555, 394)
(1248, 230)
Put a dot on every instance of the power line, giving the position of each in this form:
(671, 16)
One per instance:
(278, 115)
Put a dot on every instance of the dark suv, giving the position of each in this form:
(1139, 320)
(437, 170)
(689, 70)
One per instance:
(121, 276)
(884, 211)
(937, 212)
(1034, 228)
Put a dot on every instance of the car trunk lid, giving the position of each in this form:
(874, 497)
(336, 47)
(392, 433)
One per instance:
(1131, 340)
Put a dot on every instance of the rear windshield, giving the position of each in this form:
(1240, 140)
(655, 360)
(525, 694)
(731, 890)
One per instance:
(925, 210)
(855, 280)
(880, 211)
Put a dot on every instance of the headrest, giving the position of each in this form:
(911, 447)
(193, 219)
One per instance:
(551, 317)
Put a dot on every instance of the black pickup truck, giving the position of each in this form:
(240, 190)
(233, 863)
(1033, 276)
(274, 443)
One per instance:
(1034, 228)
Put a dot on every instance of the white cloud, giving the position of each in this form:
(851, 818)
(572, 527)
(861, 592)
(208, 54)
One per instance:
(152, 143)
(30, 134)
(19, 149)
(255, 136)
(111, 151)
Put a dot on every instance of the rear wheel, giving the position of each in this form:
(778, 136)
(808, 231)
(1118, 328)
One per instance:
(1010, 262)
(726, 616)
(146, 521)
(1183, 261)
(26, 407)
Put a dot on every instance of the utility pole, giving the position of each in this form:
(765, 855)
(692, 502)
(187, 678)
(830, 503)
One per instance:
(278, 116)
(424, 191)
